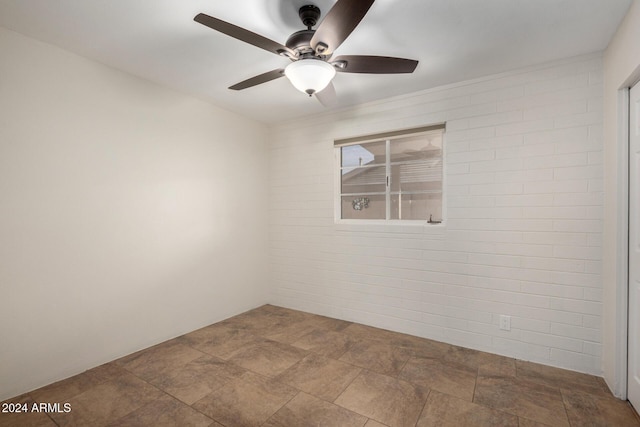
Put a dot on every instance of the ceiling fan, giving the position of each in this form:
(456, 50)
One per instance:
(313, 67)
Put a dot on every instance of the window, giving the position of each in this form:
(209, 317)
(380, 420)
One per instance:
(392, 176)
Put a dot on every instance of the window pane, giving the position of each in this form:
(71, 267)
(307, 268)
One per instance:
(416, 206)
(364, 180)
(406, 184)
(416, 147)
(425, 175)
(372, 153)
(364, 207)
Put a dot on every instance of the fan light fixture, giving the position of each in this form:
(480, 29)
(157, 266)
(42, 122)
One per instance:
(311, 49)
(310, 75)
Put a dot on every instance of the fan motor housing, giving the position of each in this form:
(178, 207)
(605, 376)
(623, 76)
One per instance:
(300, 40)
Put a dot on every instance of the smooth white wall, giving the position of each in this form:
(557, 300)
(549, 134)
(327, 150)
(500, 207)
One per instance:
(129, 214)
(523, 235)
(621, 69)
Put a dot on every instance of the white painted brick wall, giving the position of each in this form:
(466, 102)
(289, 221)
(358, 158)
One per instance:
(523, 229)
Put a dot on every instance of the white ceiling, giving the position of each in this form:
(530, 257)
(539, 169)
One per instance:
(454, 40)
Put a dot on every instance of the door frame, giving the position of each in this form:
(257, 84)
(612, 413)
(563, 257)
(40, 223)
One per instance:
(634, 222)
(622, 239)
(622, 242)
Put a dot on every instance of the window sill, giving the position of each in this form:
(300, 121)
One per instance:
(395, 226)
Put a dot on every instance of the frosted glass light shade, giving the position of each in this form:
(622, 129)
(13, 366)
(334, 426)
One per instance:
(310, 75)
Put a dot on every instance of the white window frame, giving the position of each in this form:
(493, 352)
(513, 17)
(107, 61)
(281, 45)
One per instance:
(387, 137)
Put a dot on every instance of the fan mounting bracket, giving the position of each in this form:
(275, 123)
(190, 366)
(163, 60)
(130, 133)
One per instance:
(309, 14)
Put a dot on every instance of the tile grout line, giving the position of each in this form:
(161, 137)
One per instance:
(350, 382)
(404, 364)
(165, 392)
(285, 404)
(424, 407)
(475, 386)
(564, 405)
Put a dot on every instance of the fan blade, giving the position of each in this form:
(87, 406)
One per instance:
(327, 96)
(339, 22)
(243, 35)
(262, 78)
(373, 64)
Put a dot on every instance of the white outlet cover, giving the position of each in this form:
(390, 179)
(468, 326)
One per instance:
(505, 323)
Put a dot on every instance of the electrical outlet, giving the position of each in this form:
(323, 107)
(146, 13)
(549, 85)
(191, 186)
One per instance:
(505, 322)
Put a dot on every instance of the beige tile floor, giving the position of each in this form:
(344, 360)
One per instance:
(276, 367)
